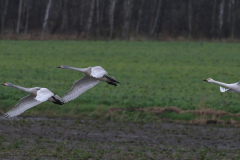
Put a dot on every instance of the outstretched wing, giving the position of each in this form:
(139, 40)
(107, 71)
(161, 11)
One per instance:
(223, 89)
(24, 104)
(43, 94)
(98, 72)
(79, 87)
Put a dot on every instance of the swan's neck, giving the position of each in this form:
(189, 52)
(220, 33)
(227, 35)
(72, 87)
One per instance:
(220, 83)
(21, 88)
(83, 70)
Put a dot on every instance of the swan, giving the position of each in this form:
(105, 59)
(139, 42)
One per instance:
(37, 95)
(93, 76)
(233, 87)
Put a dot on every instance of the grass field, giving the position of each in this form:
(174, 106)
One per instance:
(159, 74)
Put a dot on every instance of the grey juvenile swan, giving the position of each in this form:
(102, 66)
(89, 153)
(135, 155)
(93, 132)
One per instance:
(37, 95)
(93, 76)
(234, 87)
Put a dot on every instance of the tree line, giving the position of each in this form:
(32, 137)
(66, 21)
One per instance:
(122, 19)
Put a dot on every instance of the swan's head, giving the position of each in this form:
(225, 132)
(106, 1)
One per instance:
(62, 66)
(8, 84)
(208, 80)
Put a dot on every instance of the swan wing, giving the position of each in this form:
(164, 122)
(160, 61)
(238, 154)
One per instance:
(98, 72)
(79, 87)
(24, 104)
(223, 89)
(43, 94)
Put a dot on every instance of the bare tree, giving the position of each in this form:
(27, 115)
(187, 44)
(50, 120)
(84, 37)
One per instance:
(64, 25)
(229, 11)
(213, 18)
(161, 19)
(156, 17)
(27, 16)
(220, 18)
(231, 17)
(81, 17)
(139, 15)
(111, 17)
(233, 13)
(97, 15)
(101, 12)
(127, 17)
(90, 18)
(19, 16)
(46, 16)
(4, 16)
(189, 18)
(59, 19)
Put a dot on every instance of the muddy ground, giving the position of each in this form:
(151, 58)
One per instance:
(43, 138)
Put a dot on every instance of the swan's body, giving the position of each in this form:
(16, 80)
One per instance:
(37, 96)
(234, 87)
(93, 76)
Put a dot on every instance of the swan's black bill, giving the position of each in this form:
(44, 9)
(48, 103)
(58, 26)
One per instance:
(59, 67)
(205, 80)
(4, 84)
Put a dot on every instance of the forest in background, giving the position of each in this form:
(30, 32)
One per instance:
(121, 19)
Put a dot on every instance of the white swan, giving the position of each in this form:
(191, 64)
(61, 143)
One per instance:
(93, 76)
(37, 96)
(233, 87)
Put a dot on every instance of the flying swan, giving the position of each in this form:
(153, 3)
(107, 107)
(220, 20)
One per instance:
(233, 87)
(93, 76)
(37, 95)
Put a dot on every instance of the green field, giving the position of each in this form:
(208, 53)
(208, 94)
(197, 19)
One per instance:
(159, 74)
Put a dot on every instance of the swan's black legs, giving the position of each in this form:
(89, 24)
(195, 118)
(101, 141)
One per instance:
(112, 83)
(57, 101)
(112, 79)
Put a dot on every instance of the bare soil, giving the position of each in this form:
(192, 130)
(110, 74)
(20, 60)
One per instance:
(44, 138)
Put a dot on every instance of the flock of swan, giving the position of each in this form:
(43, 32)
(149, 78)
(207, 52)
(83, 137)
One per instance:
(93, 76)
(38, 95)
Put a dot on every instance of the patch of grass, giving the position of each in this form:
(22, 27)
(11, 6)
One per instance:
(176, 116)
(225, 117)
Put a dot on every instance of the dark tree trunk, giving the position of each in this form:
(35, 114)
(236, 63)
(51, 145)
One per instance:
(127, 17)
(189, 18)
(64, 25)
(139, 16)
(213, 19)
(59, 19)
(4, 13)
(233, 18)
(156, 17)
(19, 16)
(81, 17)
(111, 17)
(97, 17)
(90, 18)
(27, 16)
(220, 18)
(161, 20)
(46, 16)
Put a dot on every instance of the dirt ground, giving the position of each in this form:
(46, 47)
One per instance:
(43, 138)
